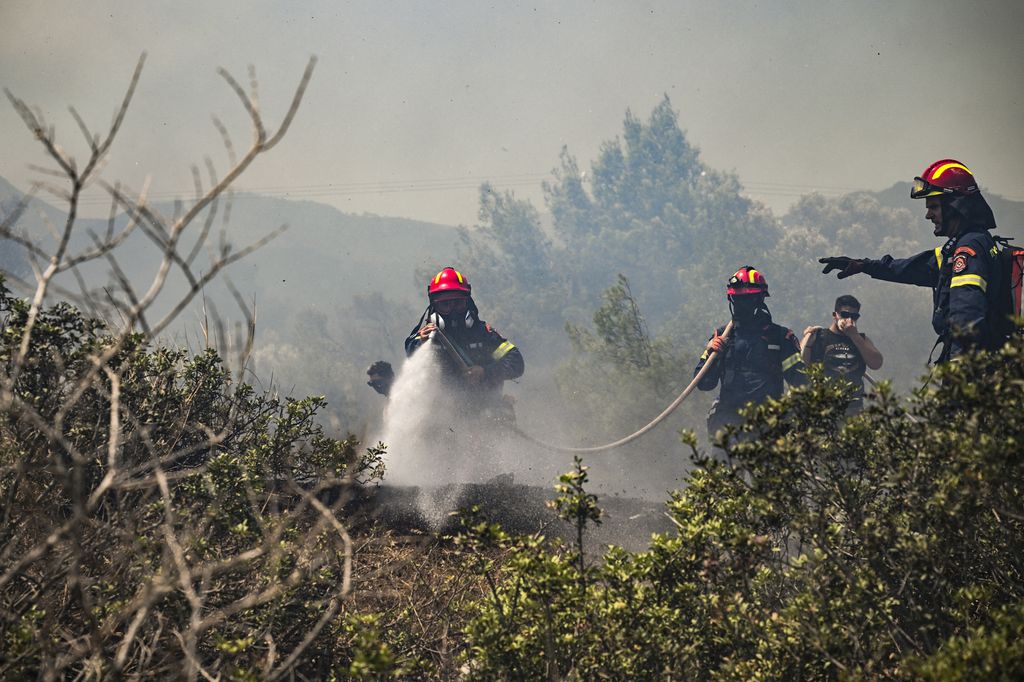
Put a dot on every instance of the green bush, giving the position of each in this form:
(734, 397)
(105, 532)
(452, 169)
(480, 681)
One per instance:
(192, 528)
(161, 518)
(889, 544)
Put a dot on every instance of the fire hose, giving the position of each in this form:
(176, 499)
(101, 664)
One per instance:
(636, 434)
(463, 362)
(661, 417)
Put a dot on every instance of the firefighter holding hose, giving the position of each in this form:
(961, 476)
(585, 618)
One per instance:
(475, 358)
(755, 361)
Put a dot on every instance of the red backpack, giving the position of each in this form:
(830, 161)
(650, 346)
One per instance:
(1006, 309)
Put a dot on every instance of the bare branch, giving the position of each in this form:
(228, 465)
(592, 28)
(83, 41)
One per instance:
(294, 108)
(203, 234)
(36, 125)
(91, 139)
(100, 151)
(129, 292)
(15, 213)
(259, 132)
(209, 276)
(24, 242)
(94, 461)
(47, 171)
(225, 136)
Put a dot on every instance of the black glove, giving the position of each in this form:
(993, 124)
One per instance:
(847, 266)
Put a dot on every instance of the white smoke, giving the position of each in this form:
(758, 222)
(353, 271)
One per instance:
(433, 445)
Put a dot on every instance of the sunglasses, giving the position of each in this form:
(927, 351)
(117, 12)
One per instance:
(847, 315)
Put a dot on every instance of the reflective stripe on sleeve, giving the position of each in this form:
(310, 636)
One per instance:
(502, 350)
(788, 363)
(938, 257)
(969, 281)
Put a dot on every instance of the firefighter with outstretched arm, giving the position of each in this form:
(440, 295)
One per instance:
(962, 273)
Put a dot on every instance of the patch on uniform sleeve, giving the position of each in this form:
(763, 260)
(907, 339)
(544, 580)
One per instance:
(965, 249)
(488, 327)
(959, 263)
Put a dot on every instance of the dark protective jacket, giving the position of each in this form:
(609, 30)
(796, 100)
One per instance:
(755, 362)
(483, 346)
(962, 275)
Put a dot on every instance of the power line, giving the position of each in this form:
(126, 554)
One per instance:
(364, 187)
(444, 184)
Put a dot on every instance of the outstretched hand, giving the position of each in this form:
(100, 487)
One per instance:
(847, 266)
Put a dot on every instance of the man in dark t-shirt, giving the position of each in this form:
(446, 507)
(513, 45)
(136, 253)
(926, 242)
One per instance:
(841, 348)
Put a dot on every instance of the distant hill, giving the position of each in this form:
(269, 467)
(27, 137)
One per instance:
(324, 258)
(327, 256)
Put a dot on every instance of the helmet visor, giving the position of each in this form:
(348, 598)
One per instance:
(745, 290)
(449, 305)
(922, 188)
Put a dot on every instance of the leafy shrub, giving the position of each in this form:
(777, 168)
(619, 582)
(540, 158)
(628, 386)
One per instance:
(159, 516)
(162, 519)
(889, 544)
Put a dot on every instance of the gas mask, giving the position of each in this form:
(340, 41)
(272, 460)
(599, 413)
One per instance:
(746, 308)
(453, 313)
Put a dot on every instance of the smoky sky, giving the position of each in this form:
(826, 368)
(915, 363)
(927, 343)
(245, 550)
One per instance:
(413, 104)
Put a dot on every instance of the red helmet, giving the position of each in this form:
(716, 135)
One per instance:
(447, 280)
(947, 176)
(746, 281)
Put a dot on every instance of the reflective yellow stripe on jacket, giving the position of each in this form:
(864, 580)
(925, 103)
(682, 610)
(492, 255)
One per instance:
(938, 257)
(502, 350)
(969, 281)
(788, 363)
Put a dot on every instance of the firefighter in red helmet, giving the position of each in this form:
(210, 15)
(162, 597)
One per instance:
(473, 355)
(758, 357)
(962, 272)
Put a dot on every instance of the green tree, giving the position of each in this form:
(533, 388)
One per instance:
(650, 209)
(513, 266)
(656, 213)
(617, 374)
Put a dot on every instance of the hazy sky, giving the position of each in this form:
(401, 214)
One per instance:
(424, 100)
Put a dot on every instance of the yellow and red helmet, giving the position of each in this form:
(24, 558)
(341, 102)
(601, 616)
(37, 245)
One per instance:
(746, 281)
(944, 177)
(448, 280)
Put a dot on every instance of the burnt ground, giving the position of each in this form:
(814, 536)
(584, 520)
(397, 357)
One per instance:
(520, 509)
